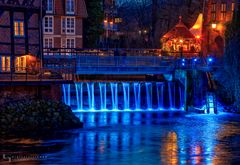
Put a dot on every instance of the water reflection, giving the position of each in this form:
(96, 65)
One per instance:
(169, 149)
(136, 138)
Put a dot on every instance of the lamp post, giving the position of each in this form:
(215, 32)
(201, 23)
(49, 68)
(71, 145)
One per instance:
(106, 34)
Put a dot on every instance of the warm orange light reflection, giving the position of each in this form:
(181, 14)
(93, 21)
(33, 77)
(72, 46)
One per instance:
(198, 37)
(169, 151)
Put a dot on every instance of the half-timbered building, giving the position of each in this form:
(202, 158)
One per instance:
(20, 35)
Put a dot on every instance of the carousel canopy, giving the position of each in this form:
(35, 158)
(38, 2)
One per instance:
(179, 31)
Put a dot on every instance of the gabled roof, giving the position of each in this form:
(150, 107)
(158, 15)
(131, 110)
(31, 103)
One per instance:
(179, 31)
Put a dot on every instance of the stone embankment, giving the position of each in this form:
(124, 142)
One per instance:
(36, 115)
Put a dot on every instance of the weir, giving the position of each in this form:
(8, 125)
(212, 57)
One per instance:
(123, 96)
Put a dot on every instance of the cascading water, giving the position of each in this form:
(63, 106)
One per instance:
(91, 100)
(126, 95)
(103, 95)
(137, 95)
(170, 95)
(79, 95)
(158, 96)
(180, 98)
(160, 86)
(114, 92)
(149, 95)
(67, 94)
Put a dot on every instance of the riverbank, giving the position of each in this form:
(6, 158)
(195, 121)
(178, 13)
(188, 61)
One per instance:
(30, 116)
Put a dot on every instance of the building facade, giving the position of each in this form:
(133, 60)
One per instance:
(20, 35)
(217, 13)
(110, 24)
(63, 24)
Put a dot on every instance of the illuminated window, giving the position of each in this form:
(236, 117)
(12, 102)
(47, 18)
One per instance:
(68, 25)
(233, 7)
(70, 6)
(48, 24)
(18, 28)
(5, 63)
(49, 6)
(223, 11)
(213, 12)
(20, 64)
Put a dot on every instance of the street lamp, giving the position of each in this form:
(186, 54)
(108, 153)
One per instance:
(214, 25)
(106, 28)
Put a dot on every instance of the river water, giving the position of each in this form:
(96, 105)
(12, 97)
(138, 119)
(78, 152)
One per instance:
(134, 139)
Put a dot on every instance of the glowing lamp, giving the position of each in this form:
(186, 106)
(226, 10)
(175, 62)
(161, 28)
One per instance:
(183, 60)
(105, 21)
(198, 37)
(195, 60)
(210, 59)
(111, 22)
(181, 41)
(214, 26)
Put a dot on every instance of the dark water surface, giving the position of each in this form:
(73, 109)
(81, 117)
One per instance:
(135, 139)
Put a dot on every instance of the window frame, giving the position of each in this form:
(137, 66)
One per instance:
(213, 11)
(3, 66)
(18, 28)
(50, 11)
(70, 39)
(48, 39)
(67, 29)
(48, 28)
(71, 7)
(223, 11)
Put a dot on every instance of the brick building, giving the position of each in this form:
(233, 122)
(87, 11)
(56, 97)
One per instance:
(63, 23)
(216, 14)
(20, 34)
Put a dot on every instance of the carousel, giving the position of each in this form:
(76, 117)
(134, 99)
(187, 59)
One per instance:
(181, 40)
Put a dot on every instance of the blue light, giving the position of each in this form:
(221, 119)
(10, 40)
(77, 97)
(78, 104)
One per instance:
(210, 59)
(183, 64)
(183, 60)
(195, 59)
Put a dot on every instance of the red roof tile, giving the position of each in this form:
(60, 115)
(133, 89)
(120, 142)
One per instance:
(179, 31)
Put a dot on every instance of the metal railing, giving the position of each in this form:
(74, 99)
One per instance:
(100, 52)
(137, 64)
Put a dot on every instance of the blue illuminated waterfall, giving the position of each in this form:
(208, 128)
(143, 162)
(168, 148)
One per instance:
(137, 95)
(112, 96)
(126, 95)
(149, 95)
(79, 95)
(91, 94)
(103, 95)
(160, 87)
(67, 94)
(114, 92)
